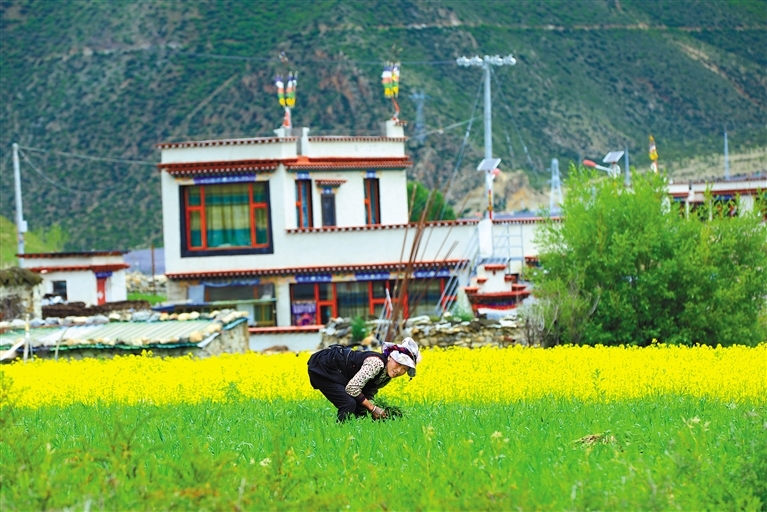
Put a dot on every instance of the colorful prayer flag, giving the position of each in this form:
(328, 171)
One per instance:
(280, 89)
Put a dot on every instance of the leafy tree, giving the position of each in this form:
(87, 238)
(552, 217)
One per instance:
(438, 209)
(624, 267)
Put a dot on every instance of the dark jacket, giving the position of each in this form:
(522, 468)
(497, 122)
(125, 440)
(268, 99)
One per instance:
(339, 364)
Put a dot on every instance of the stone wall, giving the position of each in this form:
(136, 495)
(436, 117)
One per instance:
(447, 331)
(18, 301)
(136, 282)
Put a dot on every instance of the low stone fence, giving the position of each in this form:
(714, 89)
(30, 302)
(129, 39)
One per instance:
(136, 282)
(428, 332)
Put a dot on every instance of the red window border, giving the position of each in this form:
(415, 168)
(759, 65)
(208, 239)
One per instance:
(188, 209)
(372, 302)
(369, 190)
(304, 193)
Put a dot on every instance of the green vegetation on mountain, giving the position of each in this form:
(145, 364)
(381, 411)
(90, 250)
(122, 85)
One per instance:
(112, 79)
(39, 240)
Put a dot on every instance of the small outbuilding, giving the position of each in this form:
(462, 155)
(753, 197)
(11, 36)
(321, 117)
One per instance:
(92, 277)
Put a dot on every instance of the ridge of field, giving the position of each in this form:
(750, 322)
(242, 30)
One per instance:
(112, 79)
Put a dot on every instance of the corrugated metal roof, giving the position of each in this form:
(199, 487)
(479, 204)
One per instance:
(126, 334)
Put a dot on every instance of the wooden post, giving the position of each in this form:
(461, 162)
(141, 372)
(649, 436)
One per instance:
(154, 288)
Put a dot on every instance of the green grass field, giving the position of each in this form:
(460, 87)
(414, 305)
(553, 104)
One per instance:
(660, 453)
(151, 298)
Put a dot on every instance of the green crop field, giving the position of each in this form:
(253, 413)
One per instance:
(647, 454)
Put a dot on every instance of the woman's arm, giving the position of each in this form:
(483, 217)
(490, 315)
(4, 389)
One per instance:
(370, 368)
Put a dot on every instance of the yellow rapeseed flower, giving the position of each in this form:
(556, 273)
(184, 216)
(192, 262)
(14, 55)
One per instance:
(485, 375)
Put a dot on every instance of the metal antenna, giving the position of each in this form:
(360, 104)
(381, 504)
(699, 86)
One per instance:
(420, 125)
(555, 197)
(726, 157)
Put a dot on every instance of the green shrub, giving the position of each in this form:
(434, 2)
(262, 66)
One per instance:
(624, 267)
(359, 328)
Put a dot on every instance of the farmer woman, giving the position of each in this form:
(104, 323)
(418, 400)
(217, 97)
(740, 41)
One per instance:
(350, 379)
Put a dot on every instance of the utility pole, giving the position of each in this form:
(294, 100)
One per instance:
(627, 180)
(726, 157)
(485, 63)
(555, 196)
(21, 224)
(420, 124)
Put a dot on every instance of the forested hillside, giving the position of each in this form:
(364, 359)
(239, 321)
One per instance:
(112, 79)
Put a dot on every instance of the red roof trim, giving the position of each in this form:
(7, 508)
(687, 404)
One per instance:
(329, 183)
(80, 268)
(207, 168)
(225, 142)
(292, 329)
(494, 266)
(344, 138)
(310, 270)
(70, 254)
(440, 223)
(349, 163)
(514, 293)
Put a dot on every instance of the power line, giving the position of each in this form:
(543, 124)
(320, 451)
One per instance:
(46, 178)
(513, 122)
(88, 157)
(323, 61)
(450, 126)
(54, 183)
(462, 151)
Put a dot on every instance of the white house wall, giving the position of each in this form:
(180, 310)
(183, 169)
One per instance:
(223, 151)
(81, 285)
(171, 218)
(347, 147)
(336, 247)
(116, 287)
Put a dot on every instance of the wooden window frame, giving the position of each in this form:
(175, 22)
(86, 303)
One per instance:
(332, 302)
(370, 192)
(304, 194)
(372, 302)
(252, 205)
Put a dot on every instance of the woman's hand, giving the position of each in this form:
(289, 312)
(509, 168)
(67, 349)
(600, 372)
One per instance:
(378, 413)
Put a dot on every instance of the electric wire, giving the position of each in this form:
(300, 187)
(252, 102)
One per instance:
(313, 61)
(513, 122)
(462, 151)
(54, 183)
(449, 127)
(45, 177)
(88, 157)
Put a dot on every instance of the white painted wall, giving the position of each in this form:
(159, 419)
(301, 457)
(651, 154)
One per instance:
(81, 285)
(171, 218)
(116, 288)
(351, 147)
(393, 191)
(325, 248)
(241, 149)
(295, 341)
(282, 294)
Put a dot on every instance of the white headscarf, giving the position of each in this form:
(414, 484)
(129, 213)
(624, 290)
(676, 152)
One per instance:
(402, 354)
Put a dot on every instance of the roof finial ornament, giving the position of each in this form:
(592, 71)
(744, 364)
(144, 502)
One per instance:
(286, 92)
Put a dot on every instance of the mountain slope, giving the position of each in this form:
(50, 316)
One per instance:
(113, 79)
